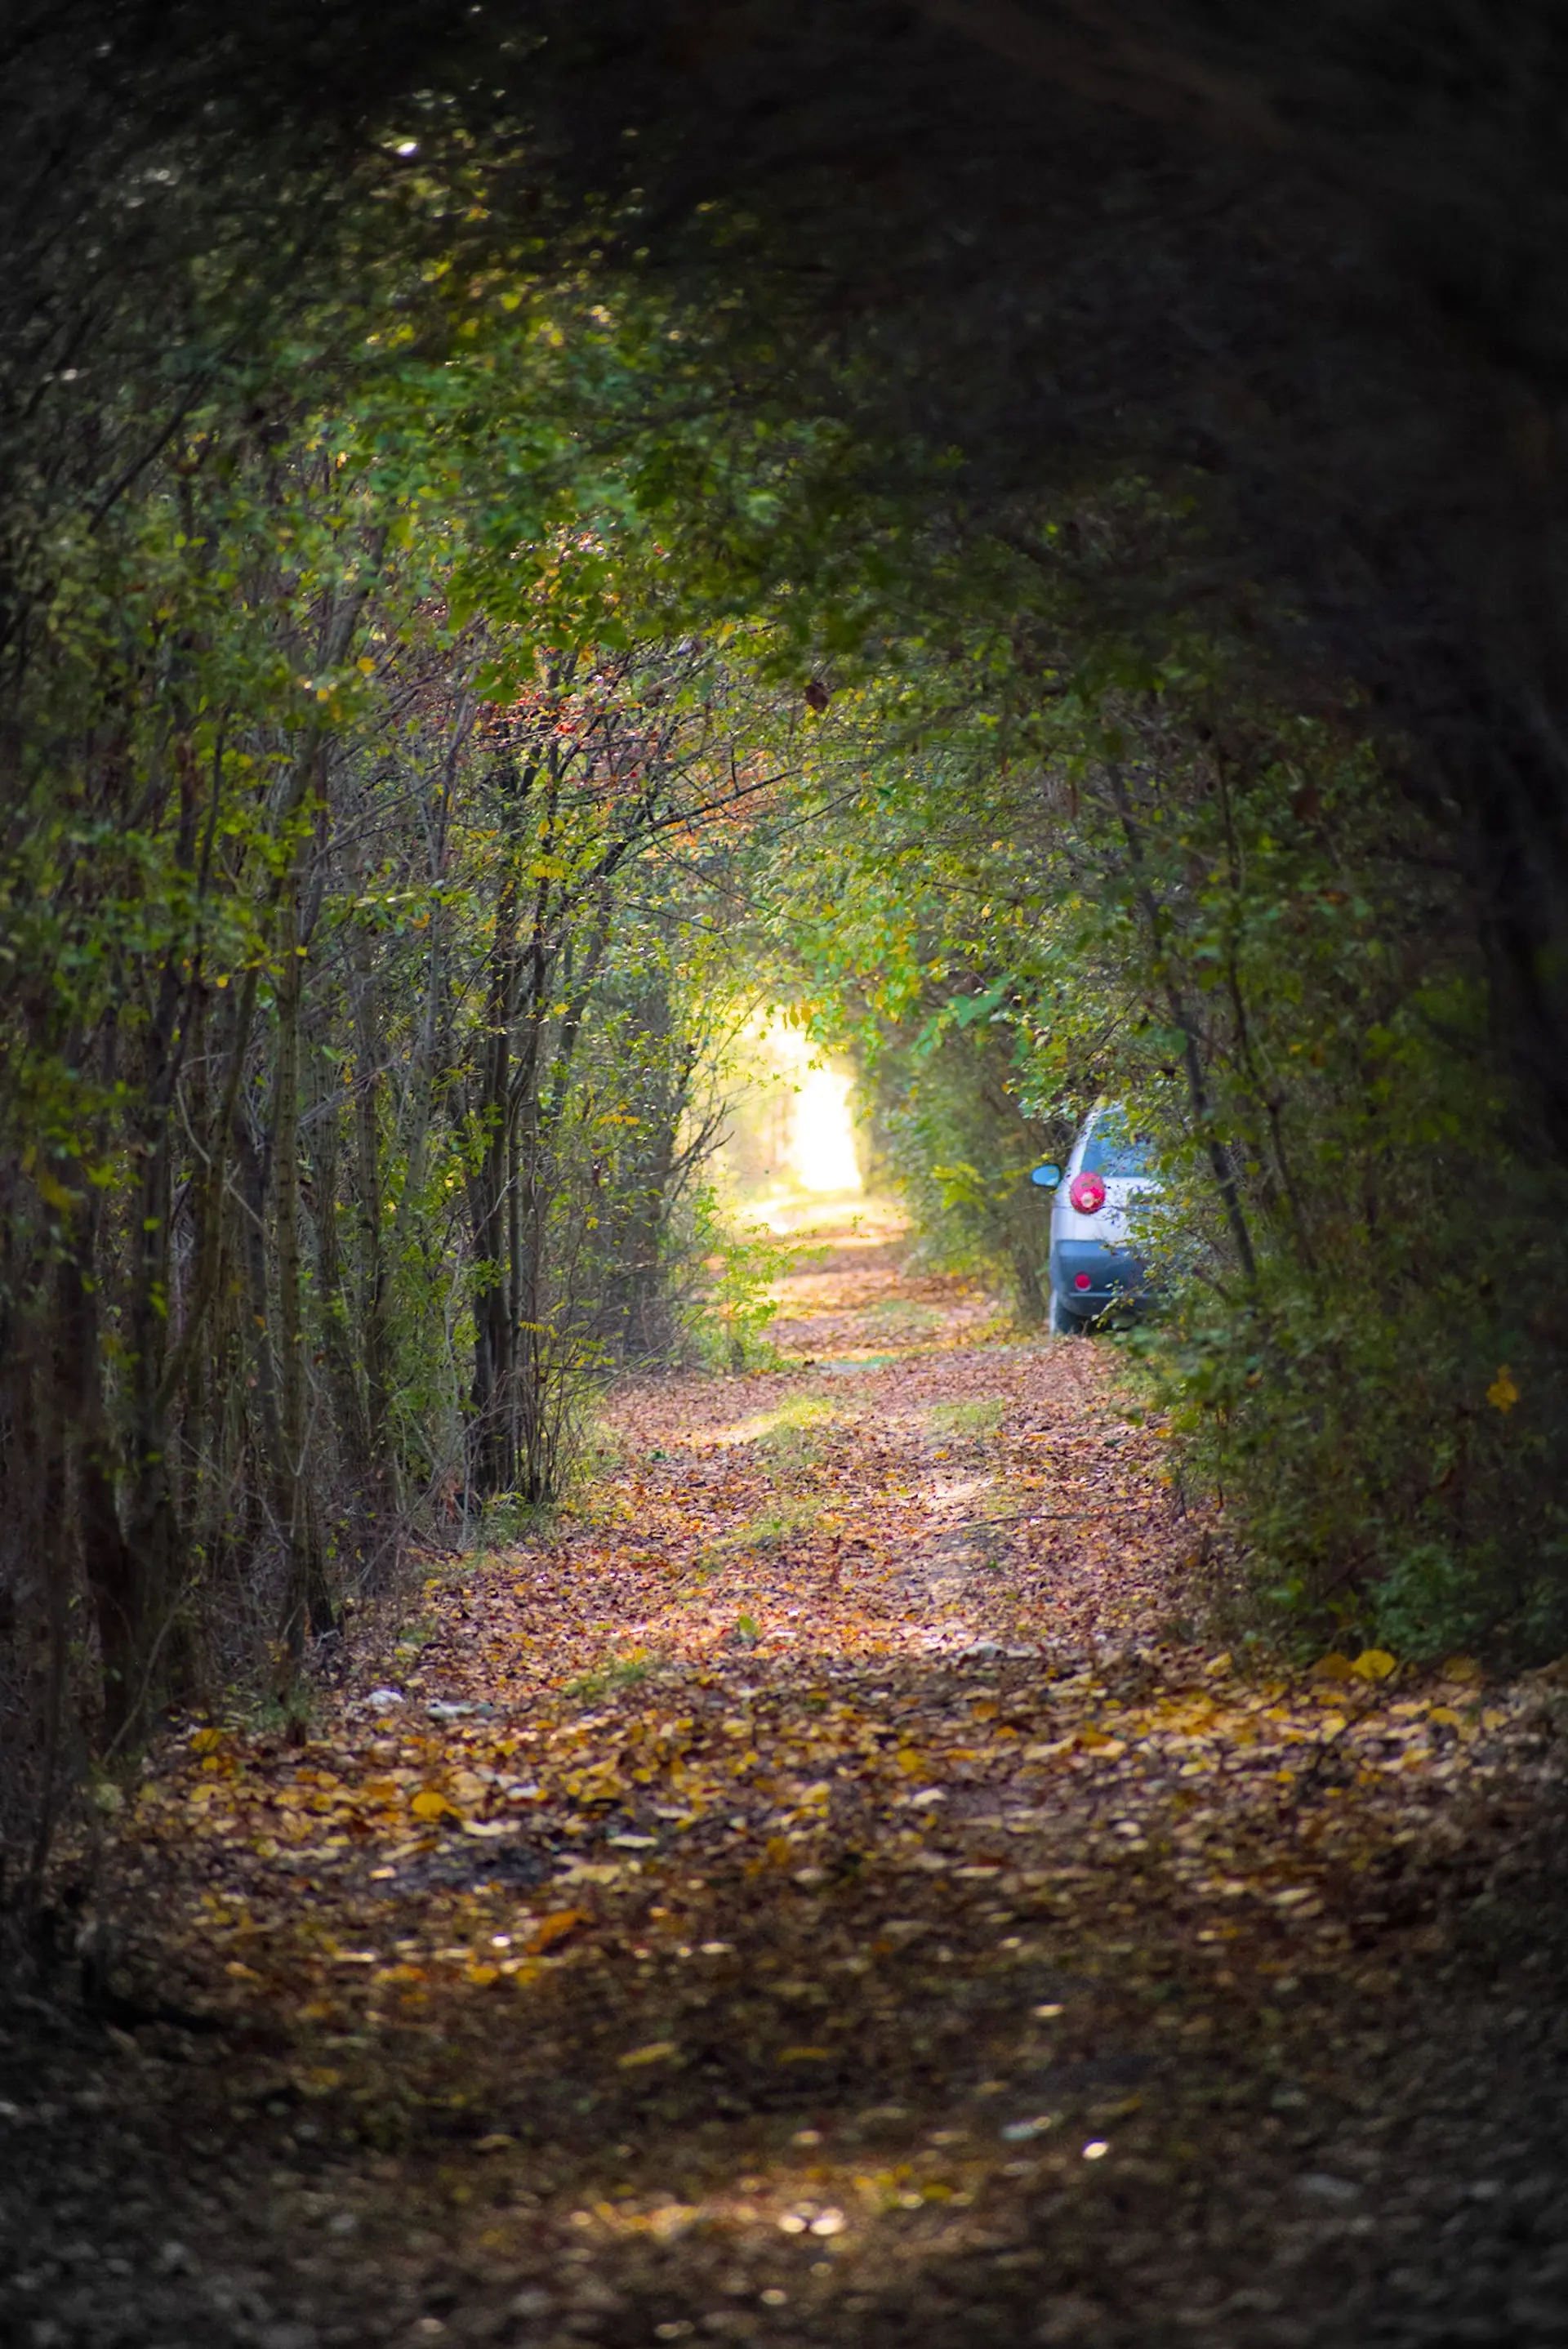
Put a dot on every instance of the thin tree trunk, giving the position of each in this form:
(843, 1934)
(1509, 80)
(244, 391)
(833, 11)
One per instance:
(1197, 1087)
(382, 1448)
(334, 1304)
(493, 1458)
(307, 1597)
(114, 1585)
(1262, 1091)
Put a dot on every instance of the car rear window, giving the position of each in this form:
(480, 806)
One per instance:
(1113, 1150)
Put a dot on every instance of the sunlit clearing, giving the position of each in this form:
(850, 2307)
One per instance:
(822, 1148)
(819, 1148)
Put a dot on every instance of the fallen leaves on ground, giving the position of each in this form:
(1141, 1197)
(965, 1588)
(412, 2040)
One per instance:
(823, 1850)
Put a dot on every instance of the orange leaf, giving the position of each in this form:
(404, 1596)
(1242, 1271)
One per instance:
(555, 1927)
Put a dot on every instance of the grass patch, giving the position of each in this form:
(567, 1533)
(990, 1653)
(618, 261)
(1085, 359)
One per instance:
(506, 1519)
(618, 1672)
(793, 1439)
(782, 1522)
(778, 1524)
(603, 1454)
(906, 1313)
(972, 1419)
(416, 1636)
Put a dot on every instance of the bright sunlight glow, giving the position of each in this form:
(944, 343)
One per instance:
(820, 1145)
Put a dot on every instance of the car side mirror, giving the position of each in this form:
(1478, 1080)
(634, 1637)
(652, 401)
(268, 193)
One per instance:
(1048, 1177)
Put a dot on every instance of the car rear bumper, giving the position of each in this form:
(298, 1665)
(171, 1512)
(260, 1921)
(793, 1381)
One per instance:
(1115, 1275)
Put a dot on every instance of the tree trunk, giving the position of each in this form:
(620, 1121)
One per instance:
(307, 1597)
(381, 1447)
(492, 1450)
(334, 1306)
(114, 1586)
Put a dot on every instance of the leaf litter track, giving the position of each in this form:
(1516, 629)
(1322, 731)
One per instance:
(819, 1897)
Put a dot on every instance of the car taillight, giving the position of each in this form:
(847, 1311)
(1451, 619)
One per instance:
(1088, 1194)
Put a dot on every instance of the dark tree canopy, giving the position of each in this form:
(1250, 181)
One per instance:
(1306, 266)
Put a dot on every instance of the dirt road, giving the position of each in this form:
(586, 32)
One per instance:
(825, 1894)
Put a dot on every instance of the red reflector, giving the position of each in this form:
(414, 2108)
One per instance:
(1088, 1194)
(1082, 1280)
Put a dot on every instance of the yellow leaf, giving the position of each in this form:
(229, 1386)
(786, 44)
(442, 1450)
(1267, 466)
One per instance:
(1373, 1665)
(1445, 1715)
(657, 2051)
(53, 1193)
(802, 2055)
(912, 1764)
(1333, 1667)
(554, 1928)
(429, 1805)
(1502, 1395)
(1459, 1668)
(206, 1740)
(482, 1977)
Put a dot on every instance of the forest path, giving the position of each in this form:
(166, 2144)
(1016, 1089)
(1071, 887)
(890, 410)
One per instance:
(822, 1896)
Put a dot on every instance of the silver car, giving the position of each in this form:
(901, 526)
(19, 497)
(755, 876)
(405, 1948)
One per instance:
(1092, 1267)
